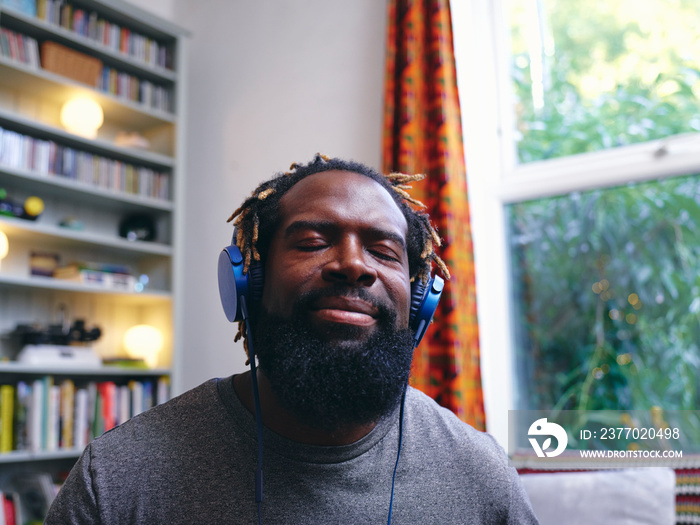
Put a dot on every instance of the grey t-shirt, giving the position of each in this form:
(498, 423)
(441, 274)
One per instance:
(193, 460)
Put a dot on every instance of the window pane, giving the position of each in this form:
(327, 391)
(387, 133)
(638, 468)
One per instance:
(607, 297)
(594, 74)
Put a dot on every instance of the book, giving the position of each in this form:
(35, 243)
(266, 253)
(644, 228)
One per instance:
(67, 414)
(115, 281)
(81, 421)
(107, 391)
(7, 408)
(22, 411)
(35, 421)
(26, 7)
(53, 420)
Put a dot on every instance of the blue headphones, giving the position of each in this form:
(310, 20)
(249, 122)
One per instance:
(234, 284)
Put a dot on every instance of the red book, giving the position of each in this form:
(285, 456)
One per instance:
(9, 506)
(107, 390)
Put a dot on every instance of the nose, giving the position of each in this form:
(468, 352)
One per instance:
(349, 265)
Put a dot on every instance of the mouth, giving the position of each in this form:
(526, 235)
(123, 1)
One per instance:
(345, 310)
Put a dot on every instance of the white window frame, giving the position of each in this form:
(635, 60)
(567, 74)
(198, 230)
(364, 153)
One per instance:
(495, 179)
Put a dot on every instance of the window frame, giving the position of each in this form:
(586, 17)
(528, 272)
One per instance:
(495, 179)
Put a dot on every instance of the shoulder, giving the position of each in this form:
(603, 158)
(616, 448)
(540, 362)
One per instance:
(468, 465)
(440, 431)
(439, 421)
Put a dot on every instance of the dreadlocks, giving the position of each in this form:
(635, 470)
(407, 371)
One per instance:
(258, 217)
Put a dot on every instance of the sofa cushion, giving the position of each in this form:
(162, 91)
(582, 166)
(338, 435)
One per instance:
(613, 497)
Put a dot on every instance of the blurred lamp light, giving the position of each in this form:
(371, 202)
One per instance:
(144, 342)
(4, 246)
(82, 116)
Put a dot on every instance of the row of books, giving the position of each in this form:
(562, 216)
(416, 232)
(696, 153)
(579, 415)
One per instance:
(46, 157)
(129, 87)
(17, 46)
(92, 26)
(24, 49)
(49, 415)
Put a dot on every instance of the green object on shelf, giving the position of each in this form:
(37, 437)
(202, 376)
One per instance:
(126, 362)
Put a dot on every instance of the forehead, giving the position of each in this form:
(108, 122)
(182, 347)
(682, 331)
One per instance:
(344, 196)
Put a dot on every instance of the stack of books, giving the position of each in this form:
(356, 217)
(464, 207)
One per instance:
(111, 276)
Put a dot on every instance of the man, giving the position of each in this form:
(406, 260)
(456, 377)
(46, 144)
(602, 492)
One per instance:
(344, 439)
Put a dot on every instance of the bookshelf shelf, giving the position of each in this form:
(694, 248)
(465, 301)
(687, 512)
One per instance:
(63, 188)
(32, 457)
(37, 230)
(103, 371)
(97, 187)
(49, 283)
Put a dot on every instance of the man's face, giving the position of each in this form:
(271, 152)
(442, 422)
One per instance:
(331, 333)
(339, 230)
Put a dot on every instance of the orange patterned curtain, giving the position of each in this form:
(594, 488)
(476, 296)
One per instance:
(423, 134)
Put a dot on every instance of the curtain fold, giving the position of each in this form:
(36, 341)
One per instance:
(423, 134)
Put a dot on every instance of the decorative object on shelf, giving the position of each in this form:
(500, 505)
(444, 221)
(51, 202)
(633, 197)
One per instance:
(59, 356)
(4, 246)
(132, 139)
(72, 223)
(55, 334)
(126, 362)
(138, 228)
(82, 116)
(142, 283)
(43, 263)
(33, 207)
(27, 7)
(30, 210)
(70, 63)
(144, 342)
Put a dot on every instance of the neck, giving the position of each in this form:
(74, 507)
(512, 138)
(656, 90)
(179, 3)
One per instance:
(284, 423)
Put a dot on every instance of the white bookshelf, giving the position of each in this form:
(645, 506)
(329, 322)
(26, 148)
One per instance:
(30, 101)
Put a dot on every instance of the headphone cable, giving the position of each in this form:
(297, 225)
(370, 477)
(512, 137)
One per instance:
(258, 416)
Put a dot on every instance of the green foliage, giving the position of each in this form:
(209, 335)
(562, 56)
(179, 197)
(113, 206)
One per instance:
(608, 297)
(613, 73)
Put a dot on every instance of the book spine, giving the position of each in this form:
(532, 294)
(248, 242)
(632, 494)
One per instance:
(22, 411)
(163, 389)
(67, 414)
(54, 418)
(136, 388)
(80, 432)
(7, 406)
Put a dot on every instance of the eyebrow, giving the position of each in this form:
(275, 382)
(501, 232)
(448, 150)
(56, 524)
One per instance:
(330, 226)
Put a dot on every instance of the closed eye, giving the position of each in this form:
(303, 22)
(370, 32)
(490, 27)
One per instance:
(384, 254)
(311, 246)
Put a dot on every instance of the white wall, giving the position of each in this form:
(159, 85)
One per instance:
(269, 83)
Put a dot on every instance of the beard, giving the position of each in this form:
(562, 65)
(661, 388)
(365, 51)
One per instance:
(335, 377)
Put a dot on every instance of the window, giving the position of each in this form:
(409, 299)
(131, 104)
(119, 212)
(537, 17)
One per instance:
(579, 121)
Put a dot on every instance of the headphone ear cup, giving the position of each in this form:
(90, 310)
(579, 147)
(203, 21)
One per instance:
(417, 294)
(424, 301)
(234, 284)
(256, 280)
